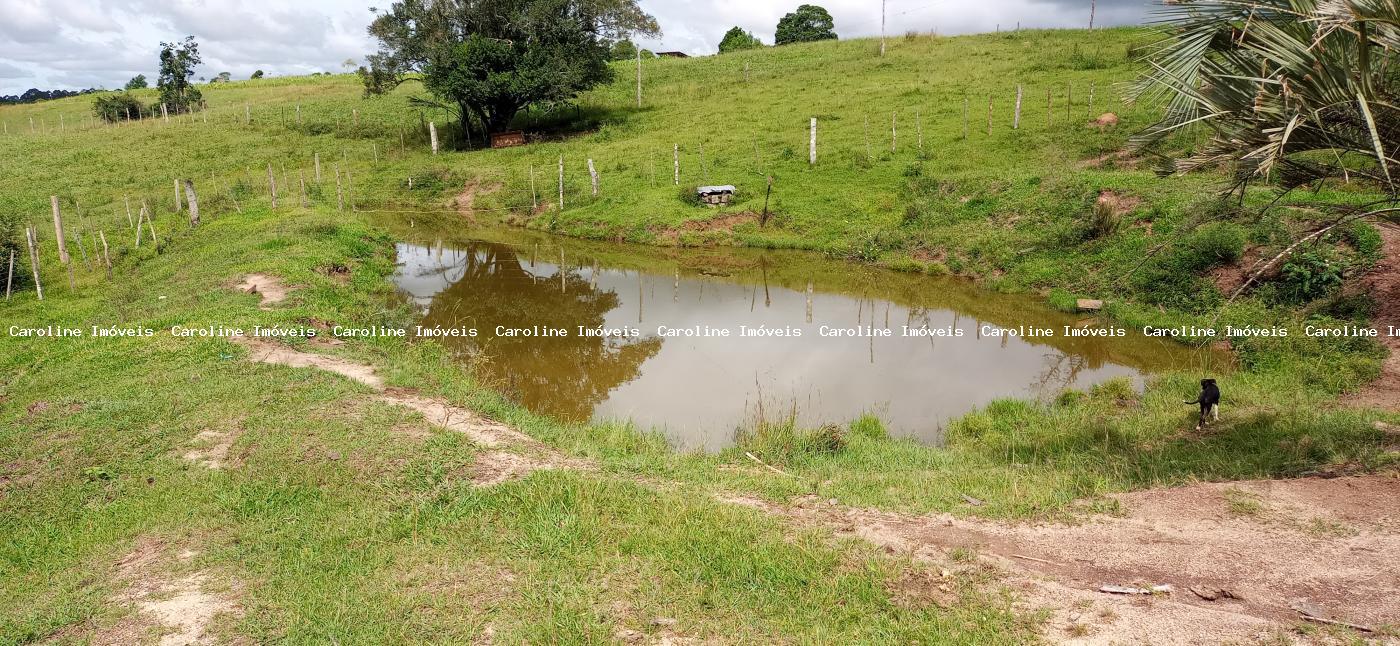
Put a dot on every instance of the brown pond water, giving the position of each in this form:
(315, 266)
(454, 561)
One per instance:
(698, 389)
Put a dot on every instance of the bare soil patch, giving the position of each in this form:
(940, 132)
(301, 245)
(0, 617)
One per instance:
(170, 611)
(270, 288)
(211, 448)
(1383, 283)
(465, 202)
(491, 468)
(721, 223)
(1329, 543)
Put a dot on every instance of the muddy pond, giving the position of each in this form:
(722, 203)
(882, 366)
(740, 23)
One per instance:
(696, 343)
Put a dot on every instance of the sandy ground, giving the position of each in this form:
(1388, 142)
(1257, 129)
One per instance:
(270, 288)
(1260, 548)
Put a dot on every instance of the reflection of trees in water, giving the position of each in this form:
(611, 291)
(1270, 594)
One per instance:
(1061, 372)
(567, 377)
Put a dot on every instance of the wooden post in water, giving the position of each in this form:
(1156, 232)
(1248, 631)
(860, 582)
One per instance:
(432, 135)
(191, 199)
(593, 174)
(272, 185)
(1016, 121)
(58, 230)
(34, 260)
(561, 183)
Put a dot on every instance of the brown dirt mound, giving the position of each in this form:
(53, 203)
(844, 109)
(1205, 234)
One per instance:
(1330, 543)
(465, 202)
(270, 288)
(1383, 283)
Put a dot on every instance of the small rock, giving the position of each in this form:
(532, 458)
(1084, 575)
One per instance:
(945, 573)
(663, 622)
(1089, 304)
(832, 502)
(333, 455)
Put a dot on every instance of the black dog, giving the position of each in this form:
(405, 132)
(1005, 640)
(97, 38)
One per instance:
(1209, 399)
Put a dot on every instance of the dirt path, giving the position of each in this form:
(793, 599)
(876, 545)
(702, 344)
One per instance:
(1383, 283)
(491, 467)
(1259, 547)
(270, 288)
(170, 611)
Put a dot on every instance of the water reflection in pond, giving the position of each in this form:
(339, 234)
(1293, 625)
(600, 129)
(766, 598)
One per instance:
(699, 389)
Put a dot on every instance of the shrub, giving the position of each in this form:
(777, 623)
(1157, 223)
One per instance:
(870, 427)
(117, 106)
(785, 443)
(1174, 279)
(1309, 275)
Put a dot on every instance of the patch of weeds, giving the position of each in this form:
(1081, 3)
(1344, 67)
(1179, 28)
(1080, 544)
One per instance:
(1324, 528)
(870, 427)
(1242, 503)
(785, 443)
(962, 555)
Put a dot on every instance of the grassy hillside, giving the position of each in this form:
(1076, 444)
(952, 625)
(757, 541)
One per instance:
(340, 518)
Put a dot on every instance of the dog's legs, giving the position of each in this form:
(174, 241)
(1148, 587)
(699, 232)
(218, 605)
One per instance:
(1215, 412)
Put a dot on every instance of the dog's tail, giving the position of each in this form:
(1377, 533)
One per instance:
(1197, 401)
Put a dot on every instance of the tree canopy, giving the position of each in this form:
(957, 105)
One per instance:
(177, 62)
(137, 82)
(737, 39)
(808, 23)
(1301, 89)
(489, 59)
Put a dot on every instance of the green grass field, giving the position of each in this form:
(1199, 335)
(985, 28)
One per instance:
(342, 519)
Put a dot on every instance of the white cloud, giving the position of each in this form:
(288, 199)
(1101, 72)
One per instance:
(70, 44)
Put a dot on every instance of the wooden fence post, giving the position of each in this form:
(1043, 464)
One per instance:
(339, 191)
(894, 135)
(964, 117)
(355, 117)
(318, 168)
(10, 277)
(106, 256)
(298, 114)
(432, 134)
(593, 173)
(1049, 109)
(919, 125)
(812, 146)
(58, 230)
(191, 199)
(302, 179)
(164, 114)
(34, 260)
(534, 195)
(868, 156)
(1091, 99)
(1016, 121)
(989, 115)
(561, 183)
(675, 161)
(272, 185)
(127, 201)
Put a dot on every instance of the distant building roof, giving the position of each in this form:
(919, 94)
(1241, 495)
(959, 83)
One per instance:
(674, 54)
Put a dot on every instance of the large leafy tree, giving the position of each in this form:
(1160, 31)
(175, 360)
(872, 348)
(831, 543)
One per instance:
(177, 63)
(489, 59)
(1300, 91)
(137, 82)
(737, 39)
(806, 24)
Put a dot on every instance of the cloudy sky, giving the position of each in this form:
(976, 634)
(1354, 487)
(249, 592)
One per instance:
(72, 44)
